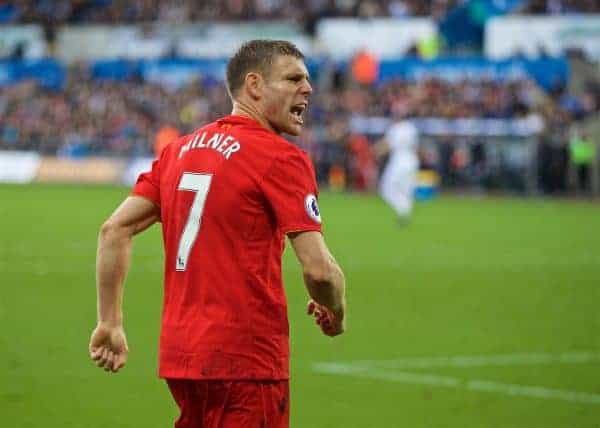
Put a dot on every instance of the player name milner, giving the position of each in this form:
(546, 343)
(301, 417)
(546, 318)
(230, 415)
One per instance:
(222, 143)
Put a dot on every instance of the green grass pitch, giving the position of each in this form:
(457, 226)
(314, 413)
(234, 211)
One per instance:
(480, 313)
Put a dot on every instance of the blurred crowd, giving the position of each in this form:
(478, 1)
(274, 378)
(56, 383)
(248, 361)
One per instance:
(110, 118)
(124, 118)
(177, 11)
(127, 11)
(135, 118)
(555, 7)
(437, 98)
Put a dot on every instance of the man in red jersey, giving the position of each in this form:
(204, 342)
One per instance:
(226, 196)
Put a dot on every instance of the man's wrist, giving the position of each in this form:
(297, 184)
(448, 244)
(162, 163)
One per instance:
(110, 322)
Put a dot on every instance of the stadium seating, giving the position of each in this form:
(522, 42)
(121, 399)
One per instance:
(79, 103)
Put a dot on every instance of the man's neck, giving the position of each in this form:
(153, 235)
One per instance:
(241, 108)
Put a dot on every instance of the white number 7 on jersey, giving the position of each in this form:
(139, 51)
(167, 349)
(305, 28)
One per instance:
(200, 184)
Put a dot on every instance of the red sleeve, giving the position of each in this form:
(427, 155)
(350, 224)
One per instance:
(148, 184)
(291, 189)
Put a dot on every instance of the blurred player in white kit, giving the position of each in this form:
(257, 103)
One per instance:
(397, 183)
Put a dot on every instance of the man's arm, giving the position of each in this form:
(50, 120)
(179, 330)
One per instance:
(324, 281)
(108, 344)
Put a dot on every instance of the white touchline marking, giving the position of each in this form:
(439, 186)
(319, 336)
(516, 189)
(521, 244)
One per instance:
(386, 370)
(518, 359)
(533, 391)
(530, 391)
(402, 377)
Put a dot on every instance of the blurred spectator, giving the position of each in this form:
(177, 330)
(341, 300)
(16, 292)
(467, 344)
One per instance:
(365, 67)
(165, 136)
(362, 164)
(582, 155)
(552, 161)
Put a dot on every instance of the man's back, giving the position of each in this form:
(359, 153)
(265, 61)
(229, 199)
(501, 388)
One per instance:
(228, 193)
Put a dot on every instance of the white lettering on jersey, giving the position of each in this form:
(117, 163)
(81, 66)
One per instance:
(198, 141)
(214, 141)
(225, 144)
(232, 149)
(184, 149)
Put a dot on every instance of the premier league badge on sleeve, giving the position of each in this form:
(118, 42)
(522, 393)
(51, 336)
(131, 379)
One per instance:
(312, 208)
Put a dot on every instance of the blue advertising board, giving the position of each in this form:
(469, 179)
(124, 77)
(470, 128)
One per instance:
(547, 72)
(47, 72)
(118, 69)
(173, 71)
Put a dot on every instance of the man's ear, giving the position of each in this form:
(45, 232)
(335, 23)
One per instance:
(254, 85)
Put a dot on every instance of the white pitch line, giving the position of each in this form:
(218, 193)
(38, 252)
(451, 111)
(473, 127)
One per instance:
(402, 377)
(518, 359)
(387, 370)
(530, 391)
(533, 391)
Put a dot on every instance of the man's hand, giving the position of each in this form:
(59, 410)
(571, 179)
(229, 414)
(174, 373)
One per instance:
(108, 347)
(331, 323)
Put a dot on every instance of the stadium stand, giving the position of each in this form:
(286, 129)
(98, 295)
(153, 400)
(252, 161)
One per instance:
(121, 11)
(72, 108)
(556, 7)
(148, 105)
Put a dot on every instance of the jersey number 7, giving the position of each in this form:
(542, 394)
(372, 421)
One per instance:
(200, 184)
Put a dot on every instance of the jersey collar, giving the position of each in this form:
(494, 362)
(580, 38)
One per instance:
(241, 120)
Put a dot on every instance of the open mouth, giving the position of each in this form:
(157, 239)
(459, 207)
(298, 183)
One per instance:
(297, 111)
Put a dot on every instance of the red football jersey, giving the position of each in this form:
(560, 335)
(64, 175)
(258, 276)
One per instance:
(228, 194)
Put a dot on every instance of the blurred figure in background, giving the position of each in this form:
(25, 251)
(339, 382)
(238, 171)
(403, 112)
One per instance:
(165, 136)
(582, 155)
(397, 183)
(363, 168)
